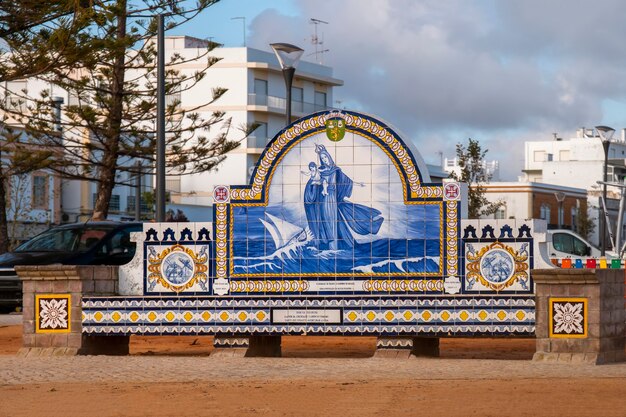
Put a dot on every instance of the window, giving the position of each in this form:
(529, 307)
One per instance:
(297, 99)
(260, 87)
(539, 156)
(500, 213)
(40, 192)
(16, 90)
(320, 100)
(544, 212)
(114, 203)
(258, 138)
(567, 243)
(564, 155)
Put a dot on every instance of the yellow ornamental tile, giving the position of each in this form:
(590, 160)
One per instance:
(352, 316)
(482, 315)
(261, 316)
(206, 316)
(98, 316)
(169, 316)
(501, 315)
(520, 315)
(116, 316)
(408, 315)
(224, 316)
(152, 316)
(389, 316)
(134, 316)
(370, 315)
(426, 315)
(188, 316)
(82, 318)
(242, 316)
(464, 315)
(445, 316)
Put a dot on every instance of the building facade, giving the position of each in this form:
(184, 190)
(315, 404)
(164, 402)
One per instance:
(255, 94)
(579, 162)
(558, 205)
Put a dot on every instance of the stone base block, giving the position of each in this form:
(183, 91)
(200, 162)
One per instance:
(33, 352)
(405, 347)
(104, 345)
(591, 358)
(247, 346)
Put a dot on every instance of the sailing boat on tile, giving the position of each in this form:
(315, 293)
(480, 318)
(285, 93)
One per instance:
(285, 235)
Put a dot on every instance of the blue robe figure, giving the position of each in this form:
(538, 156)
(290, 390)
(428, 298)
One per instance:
(330, 216)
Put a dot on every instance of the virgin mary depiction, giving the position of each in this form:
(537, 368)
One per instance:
(331, 217)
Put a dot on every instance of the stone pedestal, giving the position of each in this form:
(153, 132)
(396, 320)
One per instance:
(579, 315)
(52, 316)
(404, 347)
(246, 346)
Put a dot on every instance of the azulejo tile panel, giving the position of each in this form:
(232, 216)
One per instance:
(568, 317)
(497, 259)
(338, 205)
(178, 258)
(434, 316)
(338, 231)
(52, 313)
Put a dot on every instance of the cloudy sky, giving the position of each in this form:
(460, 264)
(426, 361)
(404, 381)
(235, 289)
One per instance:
(501, 72)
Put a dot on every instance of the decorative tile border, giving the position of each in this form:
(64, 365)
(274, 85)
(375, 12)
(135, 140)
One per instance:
(568, 317)
(53, 313)
(435, 316)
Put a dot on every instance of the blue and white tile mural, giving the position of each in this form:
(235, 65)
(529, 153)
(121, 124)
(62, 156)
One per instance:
(340, 230)
(341, 217)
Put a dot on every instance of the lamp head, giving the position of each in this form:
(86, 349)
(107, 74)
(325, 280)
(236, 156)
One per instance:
(605, 132)
(288, 55)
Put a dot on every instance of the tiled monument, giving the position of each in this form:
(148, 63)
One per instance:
(339, 232)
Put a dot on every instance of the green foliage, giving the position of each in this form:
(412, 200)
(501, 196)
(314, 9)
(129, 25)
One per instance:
(584, 223)
(471, 161)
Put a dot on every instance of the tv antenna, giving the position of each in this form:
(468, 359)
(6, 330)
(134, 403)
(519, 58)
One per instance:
(315, 40)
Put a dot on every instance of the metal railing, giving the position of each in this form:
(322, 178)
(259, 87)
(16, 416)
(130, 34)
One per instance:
(280, 104)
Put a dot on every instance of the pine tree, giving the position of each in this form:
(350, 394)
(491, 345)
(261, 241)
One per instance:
(112, 81)
(36, 37)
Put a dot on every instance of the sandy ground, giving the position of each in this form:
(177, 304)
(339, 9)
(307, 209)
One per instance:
(319, 376)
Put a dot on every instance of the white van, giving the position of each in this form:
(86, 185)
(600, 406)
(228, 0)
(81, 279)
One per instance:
(565, 244)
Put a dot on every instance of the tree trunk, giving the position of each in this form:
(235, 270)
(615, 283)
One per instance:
(111, 148)
(4, 230)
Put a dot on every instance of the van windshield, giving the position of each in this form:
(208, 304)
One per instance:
(569, 244)
(65, 240)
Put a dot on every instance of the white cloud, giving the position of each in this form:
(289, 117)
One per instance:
(499, 72)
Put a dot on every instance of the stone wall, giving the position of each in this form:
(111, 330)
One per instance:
(52, 323)
(580, 315)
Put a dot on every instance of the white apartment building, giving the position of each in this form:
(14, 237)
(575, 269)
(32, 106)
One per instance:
(579, 162)
(33, 199)
(490, 168)
(256, 94)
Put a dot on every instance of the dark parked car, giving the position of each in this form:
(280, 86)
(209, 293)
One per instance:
(91, 243)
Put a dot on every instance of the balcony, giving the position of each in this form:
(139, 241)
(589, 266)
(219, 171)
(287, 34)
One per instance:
(257, 142)
(278, 105)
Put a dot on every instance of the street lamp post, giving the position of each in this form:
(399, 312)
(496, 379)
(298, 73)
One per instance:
(606, 133)
(160, 128)
(288, 57)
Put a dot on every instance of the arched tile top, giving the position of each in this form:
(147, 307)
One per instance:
(407, 161)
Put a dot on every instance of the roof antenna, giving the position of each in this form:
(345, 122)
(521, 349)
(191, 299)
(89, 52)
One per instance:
(315, 40)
